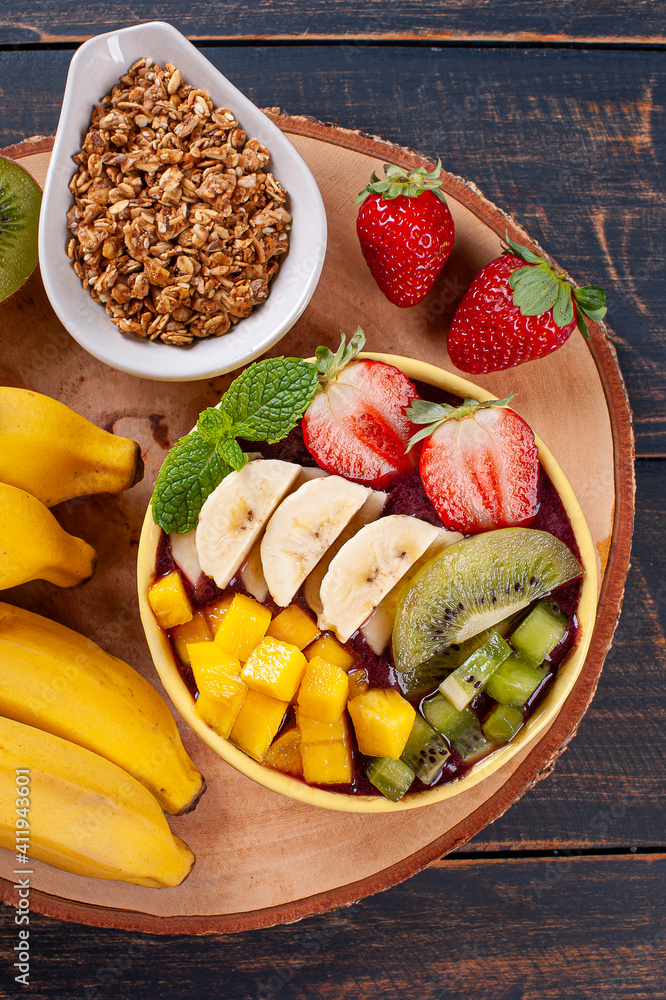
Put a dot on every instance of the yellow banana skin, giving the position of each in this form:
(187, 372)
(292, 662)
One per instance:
(85, 814)
(51, 451)
(33, 546)
(57, 680)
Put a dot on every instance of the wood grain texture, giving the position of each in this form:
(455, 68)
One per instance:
(553, 21)
(572, 143)
(545, 928)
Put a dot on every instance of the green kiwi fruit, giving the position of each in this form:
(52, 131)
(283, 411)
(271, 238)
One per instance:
(472, 586)
(20, 200)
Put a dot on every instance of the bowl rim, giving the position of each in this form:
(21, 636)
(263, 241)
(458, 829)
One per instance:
(99, 62)
(568, 673)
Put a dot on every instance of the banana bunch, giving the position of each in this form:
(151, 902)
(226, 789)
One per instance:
(104, 754)
(61, 682)
(48, 454)
(86, 815)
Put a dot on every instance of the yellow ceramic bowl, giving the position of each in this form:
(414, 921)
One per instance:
(568, 672)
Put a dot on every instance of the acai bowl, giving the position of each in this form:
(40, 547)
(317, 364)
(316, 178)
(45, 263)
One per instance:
(459, 760)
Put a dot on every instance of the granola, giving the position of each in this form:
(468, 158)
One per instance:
(177, 226)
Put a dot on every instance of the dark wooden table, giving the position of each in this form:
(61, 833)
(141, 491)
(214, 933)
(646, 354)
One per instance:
(557, 111)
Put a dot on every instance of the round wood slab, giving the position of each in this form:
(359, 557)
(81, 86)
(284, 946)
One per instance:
(263, 859)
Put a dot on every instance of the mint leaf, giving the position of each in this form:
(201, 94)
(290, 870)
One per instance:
(190, 472)
(230, 452)
(267, 400)
(213, 424)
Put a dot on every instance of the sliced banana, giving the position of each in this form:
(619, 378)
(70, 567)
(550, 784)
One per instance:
(370, 511)
(302, 528)
(252, 572)
(185, 556)
(234, 515)
(379, 626)
(367, 567)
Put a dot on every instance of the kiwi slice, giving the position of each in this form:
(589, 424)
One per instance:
(425, 751)
(471, 586)
(390, 777)
(20, 200)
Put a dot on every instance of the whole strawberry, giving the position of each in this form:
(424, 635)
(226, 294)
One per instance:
(406, 231)
(356, 424)
(479, 464)
(518, 308)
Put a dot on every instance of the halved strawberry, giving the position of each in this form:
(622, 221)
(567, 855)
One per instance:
(478, 464)
(356, 424)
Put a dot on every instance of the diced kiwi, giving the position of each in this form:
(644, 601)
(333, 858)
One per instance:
(428, 674)
(20, 200)
(540, 632)
(503, 723)
(425, 751)
(473, 585)
(514, 681)
(462, 729)
(471, 676)
(390, 777)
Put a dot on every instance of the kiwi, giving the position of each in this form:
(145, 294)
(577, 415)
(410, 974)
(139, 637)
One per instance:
(20, 200)
(472, 586)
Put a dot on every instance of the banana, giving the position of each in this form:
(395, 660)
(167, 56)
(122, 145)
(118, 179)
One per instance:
(233, 516)
(85, 814)
(33, 546)
(367, 567)
(59, 681)
(301, 530)
(370, 511)
(54, 453)
(186, 557)
(251, 572)
(379, 626)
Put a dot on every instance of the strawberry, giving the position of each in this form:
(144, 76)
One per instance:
(356, 425)
(518, 308)
(406, 231)
(478, 464)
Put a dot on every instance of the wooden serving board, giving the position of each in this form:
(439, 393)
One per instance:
(263, 859)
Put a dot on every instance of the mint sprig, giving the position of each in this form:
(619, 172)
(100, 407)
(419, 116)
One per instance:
(263, 404)
(538, 287)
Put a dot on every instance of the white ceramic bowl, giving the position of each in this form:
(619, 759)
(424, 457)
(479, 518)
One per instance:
(94, 70)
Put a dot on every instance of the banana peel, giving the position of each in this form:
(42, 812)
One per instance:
(49, 450)
(33, 546)
(60, 682)
(85, 814)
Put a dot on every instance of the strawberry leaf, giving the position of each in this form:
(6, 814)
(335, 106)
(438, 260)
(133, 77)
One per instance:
(563, 311)
(399, 181)
(422, 411)
(330, 365)
(535, 289)
(529, 256)
(433, 415)
(591, 300)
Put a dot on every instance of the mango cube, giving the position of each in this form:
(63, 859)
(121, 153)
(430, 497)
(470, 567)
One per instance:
(242, 626)
(327, 763)
(328, 647)
(258, 721)
(358, 682)
(215, 612)
(383, 720)
(196, 630)
(294, 625)
(323, 691)
(217, 673)
(276, 668)
(284, 754)
(220, 715)
(315, 731)
(169, 601)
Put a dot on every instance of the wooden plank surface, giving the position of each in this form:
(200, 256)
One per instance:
(567, 141)
(553, 21)
(537, 929)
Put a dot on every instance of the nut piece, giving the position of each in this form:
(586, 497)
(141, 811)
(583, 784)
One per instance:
(177, 226)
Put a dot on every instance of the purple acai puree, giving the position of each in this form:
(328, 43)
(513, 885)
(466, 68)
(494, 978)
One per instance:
(406, 495)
